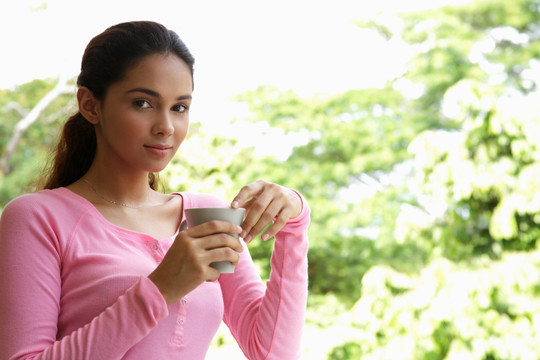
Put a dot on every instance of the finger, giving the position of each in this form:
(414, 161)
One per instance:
(212, 274)
(264, 210)
(218, 256)
(249, 204)
(257, 211)
(220, 241)
(267, 217)
(222, 254)
(213, 227)
(247, 192)
(279, 222)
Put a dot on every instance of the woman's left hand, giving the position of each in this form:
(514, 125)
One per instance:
(265, 203)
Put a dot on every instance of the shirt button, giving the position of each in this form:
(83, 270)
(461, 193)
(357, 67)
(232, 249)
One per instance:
(155, 247)
(184, 301)
(181, 321)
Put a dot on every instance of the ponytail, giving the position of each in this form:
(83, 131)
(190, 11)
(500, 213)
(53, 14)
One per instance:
(73, 154)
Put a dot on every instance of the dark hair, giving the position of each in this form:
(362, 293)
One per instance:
(106, 60)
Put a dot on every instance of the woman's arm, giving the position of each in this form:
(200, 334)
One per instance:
(31, 287)
(267, 322)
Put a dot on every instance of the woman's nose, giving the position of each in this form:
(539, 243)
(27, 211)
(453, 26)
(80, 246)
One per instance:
(163, 125)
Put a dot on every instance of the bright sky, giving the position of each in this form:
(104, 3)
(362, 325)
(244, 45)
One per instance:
(309, 46)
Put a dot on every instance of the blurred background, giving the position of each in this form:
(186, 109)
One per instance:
(412, 128)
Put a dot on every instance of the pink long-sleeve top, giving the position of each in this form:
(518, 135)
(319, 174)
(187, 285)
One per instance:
(74, 286)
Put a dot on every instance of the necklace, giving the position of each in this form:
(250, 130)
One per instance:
(117, 202)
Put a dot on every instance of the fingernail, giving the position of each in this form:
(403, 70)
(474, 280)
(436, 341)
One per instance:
(234, 204)
(265, 237)
(243, 234)
(248, 238)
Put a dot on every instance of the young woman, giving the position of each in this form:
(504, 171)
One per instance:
(96, 266)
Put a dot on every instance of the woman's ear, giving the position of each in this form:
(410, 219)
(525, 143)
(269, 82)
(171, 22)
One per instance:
(88, 105)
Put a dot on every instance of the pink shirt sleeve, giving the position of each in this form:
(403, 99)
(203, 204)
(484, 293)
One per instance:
(30, 267)
(267, 322)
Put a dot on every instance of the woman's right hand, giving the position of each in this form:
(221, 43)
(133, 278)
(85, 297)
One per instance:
(187, 263)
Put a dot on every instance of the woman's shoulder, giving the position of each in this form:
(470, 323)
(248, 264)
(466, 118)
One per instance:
(192, 200)
(29, 201)
(57, 201)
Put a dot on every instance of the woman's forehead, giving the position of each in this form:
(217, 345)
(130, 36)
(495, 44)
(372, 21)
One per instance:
(160, 71)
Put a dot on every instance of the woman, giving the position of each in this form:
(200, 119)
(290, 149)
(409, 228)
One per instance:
(96, 266)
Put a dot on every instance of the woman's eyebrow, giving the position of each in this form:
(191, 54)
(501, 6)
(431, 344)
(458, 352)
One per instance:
(155, 93)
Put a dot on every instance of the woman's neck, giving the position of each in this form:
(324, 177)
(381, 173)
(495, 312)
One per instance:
(129, 190)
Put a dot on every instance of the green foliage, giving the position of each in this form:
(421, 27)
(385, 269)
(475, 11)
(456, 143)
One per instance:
(27, 161)
(487, 175)
(473, 163)
(476, 190)
(23, 179)
(350, 350)
(342, 137)
(476, 310)
(207, 163)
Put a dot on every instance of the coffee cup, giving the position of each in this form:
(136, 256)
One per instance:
(197, 216)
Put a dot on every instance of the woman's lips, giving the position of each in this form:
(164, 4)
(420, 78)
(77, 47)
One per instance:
(158, 150)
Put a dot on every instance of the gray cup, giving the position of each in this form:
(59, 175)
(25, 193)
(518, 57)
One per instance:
(197, 216)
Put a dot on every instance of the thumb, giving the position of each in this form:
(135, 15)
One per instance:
(246, 193)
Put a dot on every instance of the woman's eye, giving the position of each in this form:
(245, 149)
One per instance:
(179, 108)
(142, 104)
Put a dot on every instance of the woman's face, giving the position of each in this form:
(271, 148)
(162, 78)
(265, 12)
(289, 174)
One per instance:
(144, 117)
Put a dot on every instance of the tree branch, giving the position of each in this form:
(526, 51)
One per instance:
(23, 124)
(15, 106)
